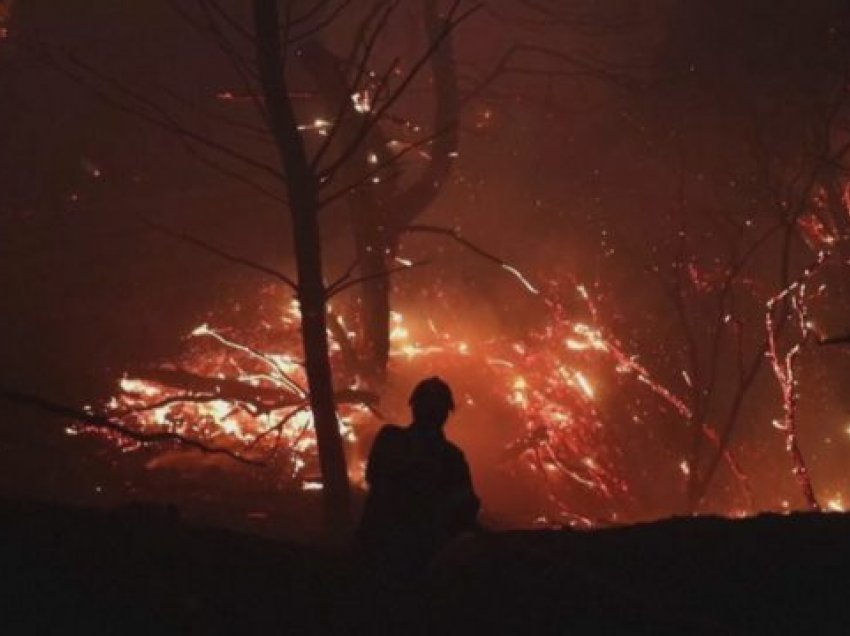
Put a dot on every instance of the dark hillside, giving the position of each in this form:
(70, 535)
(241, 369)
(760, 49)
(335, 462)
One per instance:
(142, 570)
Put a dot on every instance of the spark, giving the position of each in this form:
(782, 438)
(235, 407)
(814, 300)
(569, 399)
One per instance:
(521, 278)
(584, 384)
(362, 101)
(92, 170)
(318, 125)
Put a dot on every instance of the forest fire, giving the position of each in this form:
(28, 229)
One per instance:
(244, 390)
(608, 376)
(567, 388)
(323, 316)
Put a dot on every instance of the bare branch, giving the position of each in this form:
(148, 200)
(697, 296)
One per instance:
(456, 236)
(215, 7)
(344, 100)
(372, 119)
(835, 340)
(243, 69)
(347, 350)
(378, 169)
(320, 25)
(192, 240)
(145, 108)
(231, 173)
(105, 423)
(339, 288)
(347, 273)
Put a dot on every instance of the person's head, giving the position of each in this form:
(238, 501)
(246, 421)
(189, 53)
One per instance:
(431, 402)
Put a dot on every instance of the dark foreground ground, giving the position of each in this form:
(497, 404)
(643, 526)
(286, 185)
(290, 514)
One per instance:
(142, 570)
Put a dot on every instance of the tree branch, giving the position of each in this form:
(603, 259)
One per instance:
(372, 119)
(239, 260)
(456, 236)
(338, 288)
(105, 423)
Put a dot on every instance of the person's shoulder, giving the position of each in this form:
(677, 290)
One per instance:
(390, 433)
(454, 451)
(391, 430)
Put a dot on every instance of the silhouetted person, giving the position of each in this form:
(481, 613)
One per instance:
(420, 490)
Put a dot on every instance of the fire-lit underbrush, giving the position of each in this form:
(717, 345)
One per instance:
(245, 390)
(586, 415)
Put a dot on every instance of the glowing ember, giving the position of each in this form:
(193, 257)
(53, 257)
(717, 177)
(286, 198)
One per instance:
(318, 125)
(362, 101)
(784, 368)
(522, 279)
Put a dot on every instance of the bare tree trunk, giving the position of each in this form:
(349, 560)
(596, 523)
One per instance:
(312, 294)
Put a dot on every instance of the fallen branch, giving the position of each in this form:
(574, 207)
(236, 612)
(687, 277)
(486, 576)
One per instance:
(105, 423)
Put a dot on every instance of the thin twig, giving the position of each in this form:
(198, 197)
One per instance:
(456, 236)
(333, 291)
(239, 260)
